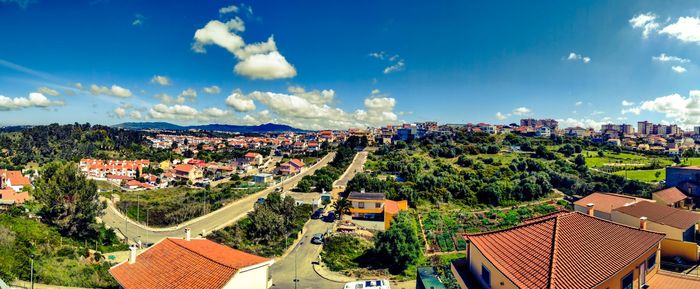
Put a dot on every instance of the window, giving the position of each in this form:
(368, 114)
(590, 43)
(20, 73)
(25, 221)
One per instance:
(651, 262)
(628, 281)
(377, 205)
(486, 276)
(361, 205)
(689, 235)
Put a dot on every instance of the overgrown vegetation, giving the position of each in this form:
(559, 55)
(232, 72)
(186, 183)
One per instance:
(323, 178)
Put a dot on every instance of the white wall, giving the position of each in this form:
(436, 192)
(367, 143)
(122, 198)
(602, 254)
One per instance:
(253, 277)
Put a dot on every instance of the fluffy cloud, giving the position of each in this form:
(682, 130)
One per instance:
(256, 61)
(669, 58)
(521, 111)
(239, 102)
(214, 112)
(228, 9)
(646, 22)
(120, 112)
(578, 103)
(686, 29)
(584, 123)
(501, 116)
(135, 115)
(627, 103)
(315, 96)
(162, 80)
(35, 99)
(47, 91)
(678, 69)
(175, 112)
(115, 90)
(189, 94)
(167, 99)
(212, 89)
(578, 57)
(138, 20)
(396, 63)
(684, 110)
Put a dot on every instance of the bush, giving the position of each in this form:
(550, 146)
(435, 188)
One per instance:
(342, 252)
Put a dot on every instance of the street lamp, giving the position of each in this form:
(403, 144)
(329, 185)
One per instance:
(32, 270)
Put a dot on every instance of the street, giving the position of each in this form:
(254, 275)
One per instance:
(354, 168)
(203, 224)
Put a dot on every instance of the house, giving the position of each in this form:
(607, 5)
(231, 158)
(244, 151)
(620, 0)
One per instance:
(685, 179)
(14, 180)
(263, 178)
(117, 179)
(10, 196)
(672, 197)
(291, 167)
(192, 263)
(678, 225)
(188, 172)
(561, 250)
(100, 169)
(602, 204)
(543, 131)
(253, 158)
(375, 207)
(136, 185)
(313, 199)
(426, 278)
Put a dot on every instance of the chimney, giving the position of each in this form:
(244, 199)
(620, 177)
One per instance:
(187, 234)
(132, 254)
(362, 190)
(590, 209)
(643, 223)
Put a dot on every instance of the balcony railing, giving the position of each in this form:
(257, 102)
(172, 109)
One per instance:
(685, 269)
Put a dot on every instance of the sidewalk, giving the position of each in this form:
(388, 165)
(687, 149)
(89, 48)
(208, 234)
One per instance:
(329, 275)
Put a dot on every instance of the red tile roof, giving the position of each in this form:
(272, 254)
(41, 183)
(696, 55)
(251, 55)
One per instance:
(391, 207)
(667, 280)
(606, 202)
(297, 163)
(671, 195)
(660, 214)
(184, 168)
(556, 252)
(15, 177)
(177, 263)
(10, 194)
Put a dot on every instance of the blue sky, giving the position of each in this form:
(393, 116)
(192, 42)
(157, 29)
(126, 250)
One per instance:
(338, 64)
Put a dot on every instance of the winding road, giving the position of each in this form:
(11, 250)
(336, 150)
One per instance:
(205, 224)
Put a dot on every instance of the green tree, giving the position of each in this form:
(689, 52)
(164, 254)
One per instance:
(399, 247)
(266, 225)
(68, 200)
(342, 206)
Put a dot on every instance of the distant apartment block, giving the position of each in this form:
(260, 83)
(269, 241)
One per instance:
(531, 122)
(101, 169)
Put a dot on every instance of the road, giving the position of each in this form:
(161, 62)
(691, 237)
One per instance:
(203, 224)
(303, 255)
(355, 167)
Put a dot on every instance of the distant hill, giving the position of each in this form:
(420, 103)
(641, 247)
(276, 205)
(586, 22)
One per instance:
(268, 127)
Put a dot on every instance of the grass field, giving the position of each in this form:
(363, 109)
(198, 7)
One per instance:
(644, 175)
(691, 162)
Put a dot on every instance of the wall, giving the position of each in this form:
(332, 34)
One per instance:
(615, 282)
(676, 176)
(253, 277)
(597, 213)
(671, 232)
(477, 259)
(686, 250)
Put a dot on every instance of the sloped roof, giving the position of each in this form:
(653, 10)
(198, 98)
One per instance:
(606, 202)
(556, 252)
(366, 196)
(660, 214)
(15, 177)
(671, 195)
(177, 263)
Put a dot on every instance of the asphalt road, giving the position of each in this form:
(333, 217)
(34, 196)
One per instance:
(283, 271)
(203, 224)
(354, 168)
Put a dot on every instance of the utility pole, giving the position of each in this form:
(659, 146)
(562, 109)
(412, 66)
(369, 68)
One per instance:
(32, 273)
(147, 210)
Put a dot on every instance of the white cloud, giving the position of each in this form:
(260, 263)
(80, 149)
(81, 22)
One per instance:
(686, 29)
(576, 57)
(138, 20)
(176, 112)
(678, 69)
(228, 9)
(120, 112)
(212, 89)
(398, 66)
(47, 91)
(627, 103)
(501, 116)
(79, 86)
(214, 112)
(669, 58)
(189, 94)
(316, 96)
(115, 90)
(684, 110)
(162, 80)
(265, 66)
(35, 99)
(631, 110)
(578, 103)
(135, 115)
(521, 111)
(584, 123)
(646, 22)
(239, 102)
(256, 61)
(396, 63)
(167, 99)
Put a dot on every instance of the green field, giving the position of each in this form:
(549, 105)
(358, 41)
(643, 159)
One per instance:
(644, 175)
(691, 162)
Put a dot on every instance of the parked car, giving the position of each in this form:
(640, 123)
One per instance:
(370, 284)
(317, 214)
(330, 217)
(317, 239)
(260, 201)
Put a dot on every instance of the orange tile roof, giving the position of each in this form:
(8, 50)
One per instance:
(297, 163)
(660, 214)
(10, 194)
(184, 168)
(177, 263)
(556, 252)
(606, 202)
(391, 207)
(667, 280)
(671, 195)
(15, 177)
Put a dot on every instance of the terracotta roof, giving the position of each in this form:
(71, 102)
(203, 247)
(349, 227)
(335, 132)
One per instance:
(660, 214)
(556, 252)
(667, 280)
(177, 263)
(606, 202)
(15, 177)
(184, 168)
(297, 163)
(391, 207)
(671, 195)
(251, 155)
(10, 194)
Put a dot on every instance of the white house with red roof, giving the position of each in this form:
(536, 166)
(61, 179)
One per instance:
(14, 180)
(291, 167)
(192, 263)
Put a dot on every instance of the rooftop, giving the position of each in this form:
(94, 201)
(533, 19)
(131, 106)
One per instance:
(671, 195)
(660, 214)
(606, 202)
(198, 263)
(366, 196)
(555, 252)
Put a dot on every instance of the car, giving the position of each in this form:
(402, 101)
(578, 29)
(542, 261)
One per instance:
(330, 217)
(369, 284)
(260, 201)
(317, 239)
(317, 214)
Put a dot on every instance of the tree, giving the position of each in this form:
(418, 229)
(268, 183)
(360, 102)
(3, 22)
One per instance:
(342, 206)
(68, 200)
(399, 247)
(567, 150)
(266, 225)
(580, 160)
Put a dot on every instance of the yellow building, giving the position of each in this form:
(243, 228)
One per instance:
(375, 207)
(164, 165)
(562, 250)
(680, 226)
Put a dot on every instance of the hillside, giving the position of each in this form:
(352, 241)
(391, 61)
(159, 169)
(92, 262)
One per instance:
(268, 127)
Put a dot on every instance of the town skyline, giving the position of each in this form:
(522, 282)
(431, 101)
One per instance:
(246, 63)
